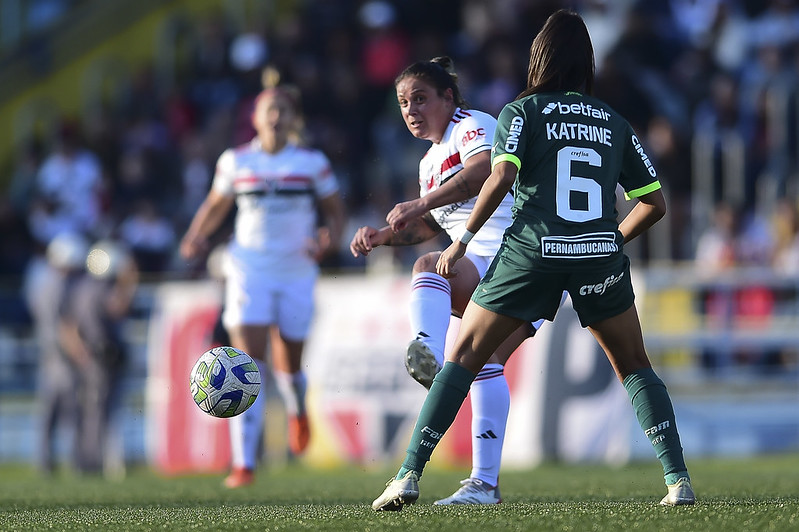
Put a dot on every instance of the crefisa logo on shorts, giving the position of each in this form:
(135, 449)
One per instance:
(600, 288)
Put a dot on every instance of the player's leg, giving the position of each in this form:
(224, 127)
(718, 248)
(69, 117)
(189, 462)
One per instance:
(292, 385)
(246, 429)
(622, 341)
(295, 307)
(433, 298)
(490, 400)
(480, 335)
(246, 317)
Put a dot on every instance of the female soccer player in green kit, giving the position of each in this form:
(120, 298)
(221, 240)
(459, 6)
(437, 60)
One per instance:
(563, 153)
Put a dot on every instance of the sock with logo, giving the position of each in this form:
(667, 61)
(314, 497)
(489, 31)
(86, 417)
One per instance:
(655, 414)
(430, 309)
(443, 401)
(490, 399)
(246, 428)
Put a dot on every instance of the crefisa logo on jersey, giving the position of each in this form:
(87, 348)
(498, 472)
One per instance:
(515, 129)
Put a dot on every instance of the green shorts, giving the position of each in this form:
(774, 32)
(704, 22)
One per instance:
(529, 293)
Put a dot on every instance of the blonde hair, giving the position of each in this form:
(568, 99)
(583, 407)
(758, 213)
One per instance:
(273, 88)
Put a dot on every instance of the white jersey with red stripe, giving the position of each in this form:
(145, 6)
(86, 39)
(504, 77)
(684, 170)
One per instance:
(469, 132)
(275, 195)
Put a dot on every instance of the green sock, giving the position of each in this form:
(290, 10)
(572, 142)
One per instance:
(443, 401)
(655, 414)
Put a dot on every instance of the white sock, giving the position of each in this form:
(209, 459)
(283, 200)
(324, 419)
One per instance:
(490, 399)
(292, 388)
(430, 308)
(246, 429)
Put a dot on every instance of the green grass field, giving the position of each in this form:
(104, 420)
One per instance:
(732, 495)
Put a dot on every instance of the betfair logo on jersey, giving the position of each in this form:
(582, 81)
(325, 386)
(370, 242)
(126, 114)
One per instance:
(515, 129)
(581, 108)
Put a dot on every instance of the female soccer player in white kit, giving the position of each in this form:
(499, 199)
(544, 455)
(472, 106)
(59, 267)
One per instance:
(272, 260)
(450, 176)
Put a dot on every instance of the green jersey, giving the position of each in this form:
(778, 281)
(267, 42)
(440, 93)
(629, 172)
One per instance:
(571, 152)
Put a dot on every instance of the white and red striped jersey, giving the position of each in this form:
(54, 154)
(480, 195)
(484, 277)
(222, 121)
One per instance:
(469, 132)
(275, 195)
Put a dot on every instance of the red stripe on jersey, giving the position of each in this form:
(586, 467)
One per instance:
(452, 160)
(249, 179)
(296, 179)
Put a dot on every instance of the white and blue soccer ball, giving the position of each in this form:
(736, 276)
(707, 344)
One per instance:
(225, 382)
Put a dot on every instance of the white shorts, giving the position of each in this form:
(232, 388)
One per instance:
(260, 299)
(481, 262)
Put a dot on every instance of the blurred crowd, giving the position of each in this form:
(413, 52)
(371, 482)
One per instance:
(710, 86)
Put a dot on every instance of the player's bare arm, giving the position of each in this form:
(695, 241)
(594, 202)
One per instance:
(462, 186)
(208, 218)
(649, 209)
(416, 231)
(329, 236)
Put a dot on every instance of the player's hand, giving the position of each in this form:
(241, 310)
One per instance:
(193, 246)
(320, 247)
(402, 213)
(445, 267)
(365, 240)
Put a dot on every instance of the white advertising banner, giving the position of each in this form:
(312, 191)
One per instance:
(566, 403)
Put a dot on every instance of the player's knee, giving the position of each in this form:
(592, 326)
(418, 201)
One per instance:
(426, 263)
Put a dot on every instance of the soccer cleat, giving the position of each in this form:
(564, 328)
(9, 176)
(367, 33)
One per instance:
(299, 434)
(679, 494)
(239, 477)
(421, 363)
(473, 491)
(398, 493)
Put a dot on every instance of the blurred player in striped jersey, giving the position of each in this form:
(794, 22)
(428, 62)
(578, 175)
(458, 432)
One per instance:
(271, 264)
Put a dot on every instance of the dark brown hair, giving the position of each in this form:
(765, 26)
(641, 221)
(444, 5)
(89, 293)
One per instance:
(561, 56)
(438, 72)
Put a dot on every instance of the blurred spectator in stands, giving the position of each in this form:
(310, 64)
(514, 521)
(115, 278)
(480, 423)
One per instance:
(736, 239)
(668, 149)
(249, 53)
(149, 235)
(716, 247)
(17, 246)
(196, 174)
(213, 85)
(719, 146)
(502, 83)
(384, 53)
(58, 373)
(68, 189)
(786, 231)
(91, 314)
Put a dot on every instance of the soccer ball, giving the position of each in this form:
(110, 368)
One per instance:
(225, 382)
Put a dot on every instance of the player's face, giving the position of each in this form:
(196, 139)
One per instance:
(426, 113)
(273, 118)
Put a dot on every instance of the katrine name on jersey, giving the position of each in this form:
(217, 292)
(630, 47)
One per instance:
(577, 131)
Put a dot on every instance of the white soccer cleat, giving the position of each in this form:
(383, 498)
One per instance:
(679, 494)
(421, 363)
(473, 491)
(398, 493)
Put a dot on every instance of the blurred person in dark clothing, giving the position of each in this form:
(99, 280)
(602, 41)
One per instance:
(91, 314)
(58, 383)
